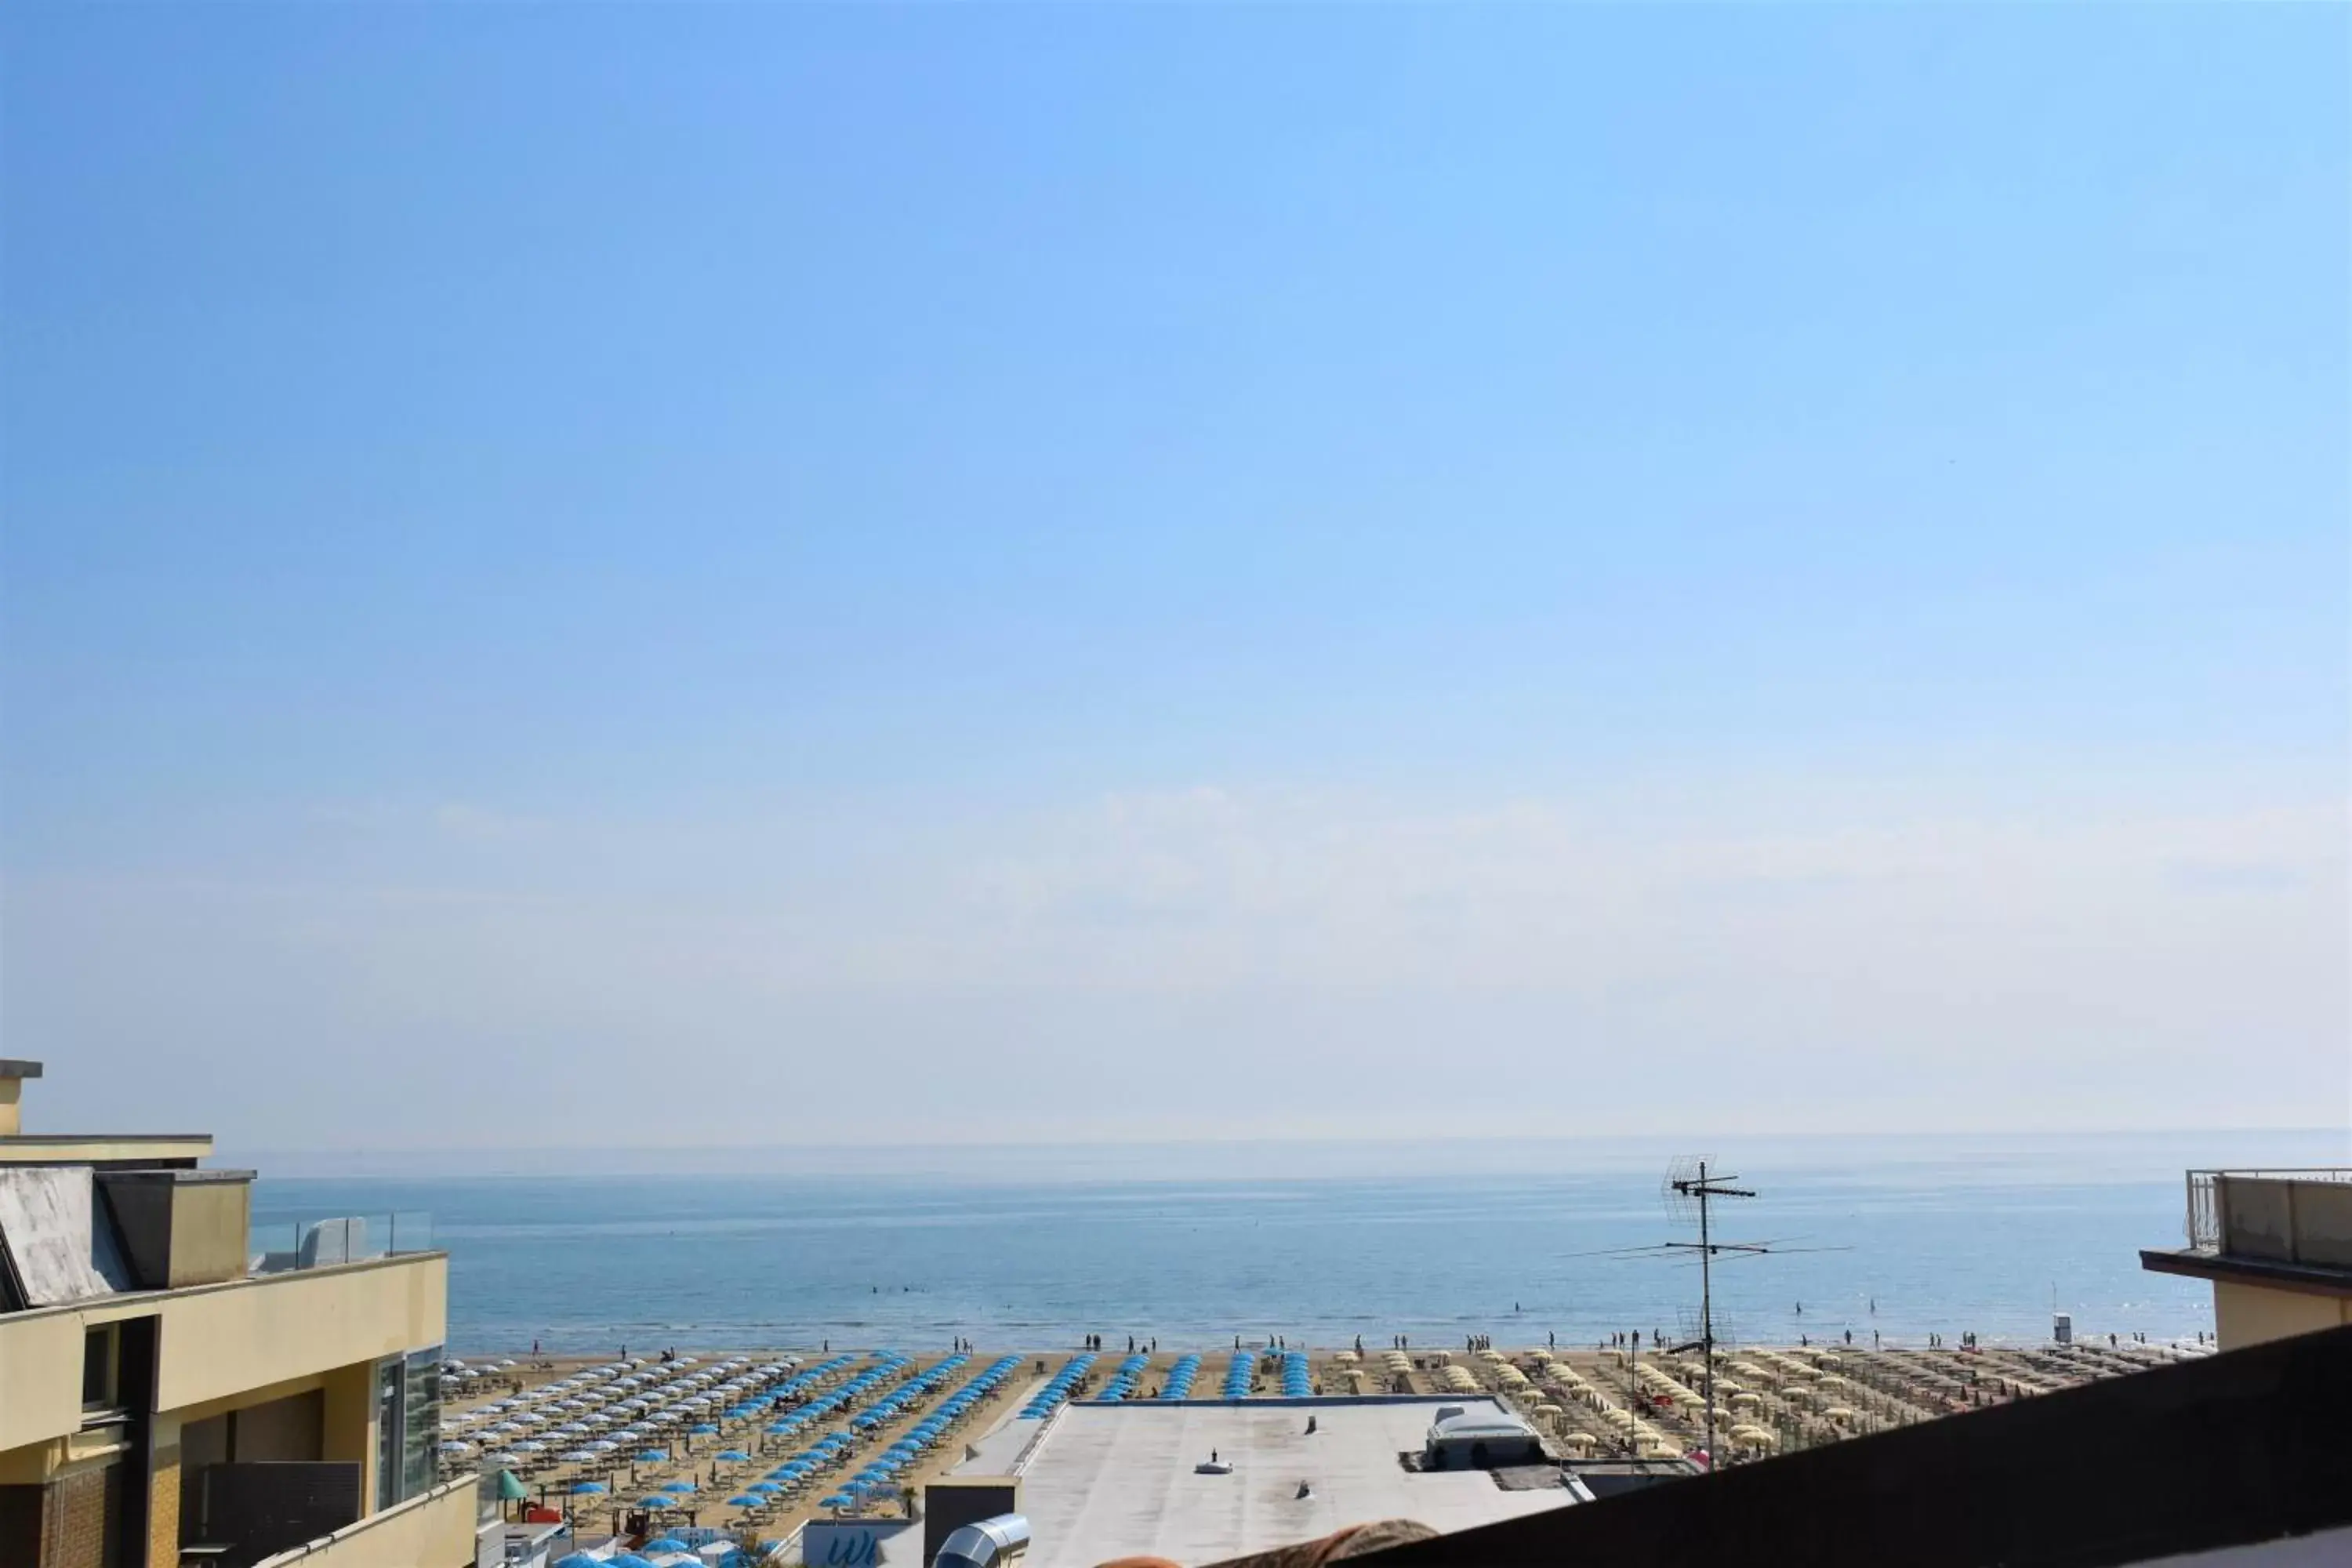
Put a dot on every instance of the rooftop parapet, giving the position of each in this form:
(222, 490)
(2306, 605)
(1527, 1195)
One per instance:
(2282, 1216)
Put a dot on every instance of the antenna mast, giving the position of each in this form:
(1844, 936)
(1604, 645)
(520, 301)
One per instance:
(1692, 1184)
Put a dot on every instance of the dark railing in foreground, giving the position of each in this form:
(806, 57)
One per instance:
(2224, 1451)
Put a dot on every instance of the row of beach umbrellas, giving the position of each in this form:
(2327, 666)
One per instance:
(1123, 1378)
(1042, 1403)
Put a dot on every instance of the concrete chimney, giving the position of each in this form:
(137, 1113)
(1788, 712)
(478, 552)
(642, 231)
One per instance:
(13, 1074)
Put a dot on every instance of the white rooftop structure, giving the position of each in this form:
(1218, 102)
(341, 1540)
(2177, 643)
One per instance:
(1118, 1480)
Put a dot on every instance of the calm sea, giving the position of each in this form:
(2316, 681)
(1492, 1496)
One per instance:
(1435, 1240)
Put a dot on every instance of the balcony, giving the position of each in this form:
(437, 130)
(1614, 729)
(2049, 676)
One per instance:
(287, 1246)
(2276, 1246)
(433, 1530)
(227, 1340)
(2293, 1215)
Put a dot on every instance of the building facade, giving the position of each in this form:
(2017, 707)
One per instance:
(2277, 1246)
(174, 1387)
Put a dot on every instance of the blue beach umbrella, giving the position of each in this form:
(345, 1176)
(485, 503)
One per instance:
(586, 1489)
(733, 1456)
(653, 1457)
(703, 1429)
(668, 1544)
(763, 1487)
(679, 1486)
(745, 1500)
(658, 1500)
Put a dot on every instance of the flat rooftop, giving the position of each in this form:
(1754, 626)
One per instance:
(1118, 1480)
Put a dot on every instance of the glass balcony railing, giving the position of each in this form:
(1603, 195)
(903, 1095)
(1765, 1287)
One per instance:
(282, 1245)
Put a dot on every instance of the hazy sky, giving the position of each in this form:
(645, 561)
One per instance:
(648, 573)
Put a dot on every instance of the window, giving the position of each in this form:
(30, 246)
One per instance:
(409, 1423)
(98, 1368)
(420, 1420)
(387, 1435)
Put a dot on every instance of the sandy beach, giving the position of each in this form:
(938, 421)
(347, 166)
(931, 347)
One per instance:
(546, 1418)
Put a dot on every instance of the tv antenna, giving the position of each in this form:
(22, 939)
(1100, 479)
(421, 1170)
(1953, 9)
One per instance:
(1691, 1186)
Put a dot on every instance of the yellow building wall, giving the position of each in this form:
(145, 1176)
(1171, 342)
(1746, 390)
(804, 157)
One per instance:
(435, 1530)
(2253, 1314)
(164, 1507)
(40, 1377)
(350, 1431)
(210, 1224)
(222, 1345)
(222, 1342)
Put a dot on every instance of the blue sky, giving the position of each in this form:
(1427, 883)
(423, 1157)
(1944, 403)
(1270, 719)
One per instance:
(806, 543)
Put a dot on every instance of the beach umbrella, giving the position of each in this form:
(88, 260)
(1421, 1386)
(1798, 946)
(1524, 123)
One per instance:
(703, 1429)
(668, 1544)
(734, 1455)
(653, 1457)
(581, 1560)
(657, 1501)
(512, 1490)
(746, 1501)
(679, 1486)
(587, 1489)
(763, 1487)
